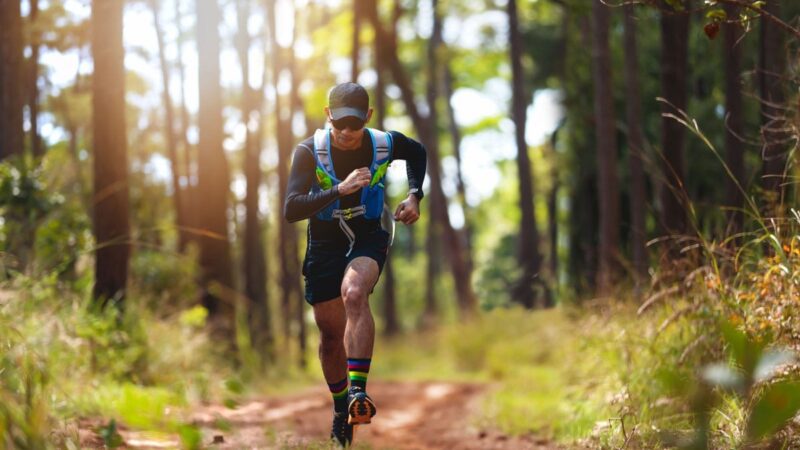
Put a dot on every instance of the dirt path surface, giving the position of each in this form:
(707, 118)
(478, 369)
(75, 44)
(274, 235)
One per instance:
(440, 417)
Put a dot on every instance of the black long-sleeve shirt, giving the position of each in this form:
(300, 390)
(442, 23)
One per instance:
(301, 203)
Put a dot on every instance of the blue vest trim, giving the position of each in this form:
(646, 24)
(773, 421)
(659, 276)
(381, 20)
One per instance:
(372, 197)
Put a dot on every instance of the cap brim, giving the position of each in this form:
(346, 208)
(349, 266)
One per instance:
(340, 113)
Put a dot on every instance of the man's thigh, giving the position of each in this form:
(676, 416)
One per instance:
(330, 317)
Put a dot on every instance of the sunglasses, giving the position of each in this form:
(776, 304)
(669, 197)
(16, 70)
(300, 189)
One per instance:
(354, 123)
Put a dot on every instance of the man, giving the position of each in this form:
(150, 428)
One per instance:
(337, 181)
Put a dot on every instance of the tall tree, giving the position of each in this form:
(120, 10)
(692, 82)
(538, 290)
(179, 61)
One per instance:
(213, 176)
(255, 272)
(356, 46)
(466, 299)
(287, 243)
(436, 202)
(455, 139)
(734, 120)
(633, 107)
(11, 76)
(169, 127)
(111, 203)
(607, 184)
(580, 181)
(674, 71)
(391, 322)
(530, 259)
(297, 107)
(37, 146)
(772, 66)
(188, 153)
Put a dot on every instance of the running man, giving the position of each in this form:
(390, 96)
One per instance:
(337, 181)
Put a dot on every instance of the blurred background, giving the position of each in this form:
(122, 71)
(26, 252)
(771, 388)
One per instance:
(602, 177)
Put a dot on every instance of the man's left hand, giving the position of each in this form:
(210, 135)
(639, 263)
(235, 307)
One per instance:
(407, 211)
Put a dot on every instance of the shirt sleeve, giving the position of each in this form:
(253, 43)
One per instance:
(300, 202)
(415, 157)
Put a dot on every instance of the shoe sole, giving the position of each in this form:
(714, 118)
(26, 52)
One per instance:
(361, 411)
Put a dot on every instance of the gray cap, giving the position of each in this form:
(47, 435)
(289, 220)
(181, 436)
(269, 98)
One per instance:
(348, 99)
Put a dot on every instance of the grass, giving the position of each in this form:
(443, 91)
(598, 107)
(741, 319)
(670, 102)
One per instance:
(551, 373)
(604, 376)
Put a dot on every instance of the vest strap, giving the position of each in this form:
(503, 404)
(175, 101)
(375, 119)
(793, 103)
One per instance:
(344, 215)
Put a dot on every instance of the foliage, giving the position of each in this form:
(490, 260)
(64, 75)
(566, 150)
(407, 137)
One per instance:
(551, 373)
(24, 390)
(24, 202)
(62, 360)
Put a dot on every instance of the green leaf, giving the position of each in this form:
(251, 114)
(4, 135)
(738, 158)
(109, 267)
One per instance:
(746, 352)
(234, 385)
(191, 438)
(677, 5)
(716, 15)
(777, 404)
(111, 438)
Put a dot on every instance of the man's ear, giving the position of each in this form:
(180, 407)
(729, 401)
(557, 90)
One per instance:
(369, 115)
(327, 113)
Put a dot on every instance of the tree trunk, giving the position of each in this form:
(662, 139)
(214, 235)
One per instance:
(287, 247)
(436, 202)
(391, 322)
(254, 264)
(188, 155)
(213, 177)
(37, 146)
(433, 251)
(111, 215)
(581, 182)
(674, 72)
(552, 217)
(529, 257)
(772, 68)
(169, 129)
(11, 79)
(356, 48)
(633, 104)
(734, 153)
(455, 137)
(426, 129)
(607, 184)
(296, 266)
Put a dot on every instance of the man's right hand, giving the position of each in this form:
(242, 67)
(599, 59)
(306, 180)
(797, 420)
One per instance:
(357, 179)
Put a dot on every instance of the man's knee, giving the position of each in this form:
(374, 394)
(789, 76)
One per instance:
(354, 296)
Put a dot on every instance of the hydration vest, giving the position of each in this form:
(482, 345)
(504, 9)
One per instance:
(371, 204)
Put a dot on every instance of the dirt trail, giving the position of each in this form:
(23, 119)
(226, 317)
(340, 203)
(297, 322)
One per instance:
(444, 420)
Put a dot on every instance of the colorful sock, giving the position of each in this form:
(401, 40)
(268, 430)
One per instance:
(358, 370)
(339, 393)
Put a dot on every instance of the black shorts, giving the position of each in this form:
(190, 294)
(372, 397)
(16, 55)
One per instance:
(326, 261)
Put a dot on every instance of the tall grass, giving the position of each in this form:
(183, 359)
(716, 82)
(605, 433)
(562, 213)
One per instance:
(61, 361)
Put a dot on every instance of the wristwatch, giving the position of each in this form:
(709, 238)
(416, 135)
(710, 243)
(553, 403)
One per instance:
(417, 193)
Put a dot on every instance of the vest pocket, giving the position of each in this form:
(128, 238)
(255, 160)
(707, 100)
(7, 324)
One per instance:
(374, 201)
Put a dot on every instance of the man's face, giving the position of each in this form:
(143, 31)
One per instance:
(348, 131)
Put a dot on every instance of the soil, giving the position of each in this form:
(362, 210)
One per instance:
(411, 416)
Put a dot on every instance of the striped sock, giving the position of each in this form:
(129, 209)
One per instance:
(358, 370)
(339, 393)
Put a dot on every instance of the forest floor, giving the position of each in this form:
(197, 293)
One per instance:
(411, 415)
